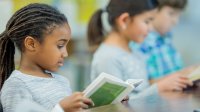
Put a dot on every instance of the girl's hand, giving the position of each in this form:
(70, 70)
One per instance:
(75, 102)
(174, 82)
(125, 100)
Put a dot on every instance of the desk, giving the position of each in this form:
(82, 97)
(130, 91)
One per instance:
(185, 101)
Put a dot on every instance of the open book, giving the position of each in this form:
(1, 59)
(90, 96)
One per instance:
(195, 75)
(107, 89)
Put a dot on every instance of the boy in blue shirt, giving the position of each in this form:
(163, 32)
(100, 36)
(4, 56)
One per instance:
(161, 56)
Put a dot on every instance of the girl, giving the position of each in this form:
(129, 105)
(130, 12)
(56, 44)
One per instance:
(129, 20)
(41, 33)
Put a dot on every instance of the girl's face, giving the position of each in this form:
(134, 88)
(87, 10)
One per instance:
(139, 26)
(52, 51)
(165, 19)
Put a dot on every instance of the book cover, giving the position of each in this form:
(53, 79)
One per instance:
(107, 89)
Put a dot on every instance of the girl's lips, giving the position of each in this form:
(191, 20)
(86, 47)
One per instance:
(60, 63)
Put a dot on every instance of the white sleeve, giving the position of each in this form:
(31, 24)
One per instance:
(31, 106)
(57, 108)
(12, 94)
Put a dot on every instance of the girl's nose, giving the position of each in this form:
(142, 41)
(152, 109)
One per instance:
(65, 53)
(150, 27)
(176, 20)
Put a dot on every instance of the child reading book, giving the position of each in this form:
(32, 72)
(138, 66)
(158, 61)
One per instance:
(41, 33)
(104, 90)
(130, 21)
(162, 58)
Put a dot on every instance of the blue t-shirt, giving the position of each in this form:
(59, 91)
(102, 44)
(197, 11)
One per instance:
(161, 56)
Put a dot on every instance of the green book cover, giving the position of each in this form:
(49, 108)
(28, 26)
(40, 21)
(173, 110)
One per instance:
(106, 94)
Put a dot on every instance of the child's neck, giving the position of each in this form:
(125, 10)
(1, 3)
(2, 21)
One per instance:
(116, 39)
(42, 74)
(30, 68)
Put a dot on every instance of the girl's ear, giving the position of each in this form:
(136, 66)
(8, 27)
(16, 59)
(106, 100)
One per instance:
(30, 44)
(123, 21)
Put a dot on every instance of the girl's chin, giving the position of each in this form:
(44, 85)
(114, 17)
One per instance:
(54, 69)
(141, 40)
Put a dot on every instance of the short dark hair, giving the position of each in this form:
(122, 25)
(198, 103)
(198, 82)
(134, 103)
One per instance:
(177, 4)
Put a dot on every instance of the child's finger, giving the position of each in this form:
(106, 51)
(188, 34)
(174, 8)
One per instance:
(126, 98)
(177, 88)
(84, 106)
(185, 81)
(88, 101)
(181, 85)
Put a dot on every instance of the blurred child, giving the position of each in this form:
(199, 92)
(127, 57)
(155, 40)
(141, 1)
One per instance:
(162, 57)
(130, 21)
(41, 33)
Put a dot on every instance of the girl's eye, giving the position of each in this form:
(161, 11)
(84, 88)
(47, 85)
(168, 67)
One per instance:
(60, 46)
(172, 13)
(147, 21)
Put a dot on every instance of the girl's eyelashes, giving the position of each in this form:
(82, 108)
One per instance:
(62, 43)
(173, 13)
(147, 21)
(60, 46)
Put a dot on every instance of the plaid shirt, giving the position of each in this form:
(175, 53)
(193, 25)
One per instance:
(161, 56)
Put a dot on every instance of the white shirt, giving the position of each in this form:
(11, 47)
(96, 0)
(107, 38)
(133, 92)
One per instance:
(47, 92)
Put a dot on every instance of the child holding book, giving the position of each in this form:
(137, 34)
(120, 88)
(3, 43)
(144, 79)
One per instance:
(130, 21)
(41, 33)
(161, 56)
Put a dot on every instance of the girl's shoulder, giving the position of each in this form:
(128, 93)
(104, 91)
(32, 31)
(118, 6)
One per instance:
(15, 79)
(109, 52)
(60, 78)
(15, 85)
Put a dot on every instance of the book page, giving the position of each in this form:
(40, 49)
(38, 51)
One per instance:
(195, 75)
(106, 94)
(134, 82)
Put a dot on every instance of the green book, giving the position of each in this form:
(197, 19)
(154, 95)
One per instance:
(107, 89)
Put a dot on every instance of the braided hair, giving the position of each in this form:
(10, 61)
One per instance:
(33, 20)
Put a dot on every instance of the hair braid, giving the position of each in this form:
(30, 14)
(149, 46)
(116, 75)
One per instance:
(34, 20)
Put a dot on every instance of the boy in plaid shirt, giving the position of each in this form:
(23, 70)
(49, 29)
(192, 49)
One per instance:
(161, 56)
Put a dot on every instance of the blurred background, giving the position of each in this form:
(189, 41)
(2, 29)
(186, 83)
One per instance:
(78, 12)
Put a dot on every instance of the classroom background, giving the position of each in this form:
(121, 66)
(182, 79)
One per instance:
(78, 12)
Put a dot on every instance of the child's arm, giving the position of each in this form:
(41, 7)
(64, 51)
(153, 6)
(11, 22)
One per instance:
(75, 102)
(57, 108)
(12, 94)
(183, 72)
(173, 82)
